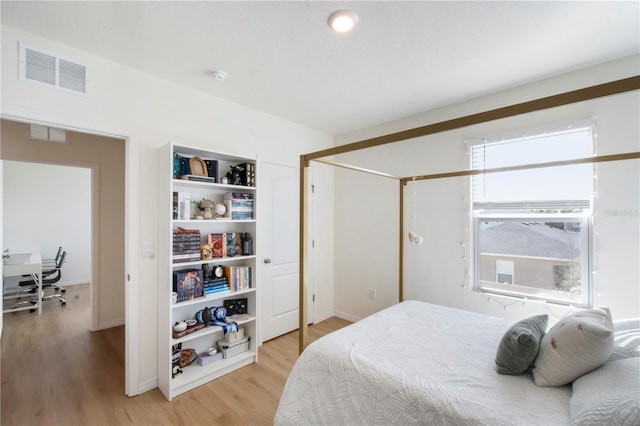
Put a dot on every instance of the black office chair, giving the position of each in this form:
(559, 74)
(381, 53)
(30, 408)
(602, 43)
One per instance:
(49, 278)
(51, 274)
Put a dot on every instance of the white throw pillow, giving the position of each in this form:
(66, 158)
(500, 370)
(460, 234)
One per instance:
(574, 346)
(609, 395)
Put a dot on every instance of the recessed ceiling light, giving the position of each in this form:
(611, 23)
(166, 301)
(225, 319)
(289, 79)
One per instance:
(342, 20)
(218, 74)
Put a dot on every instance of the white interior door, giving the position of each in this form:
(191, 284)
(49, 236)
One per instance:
(279, 230)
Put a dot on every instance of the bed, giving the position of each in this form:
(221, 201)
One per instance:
(419, 363)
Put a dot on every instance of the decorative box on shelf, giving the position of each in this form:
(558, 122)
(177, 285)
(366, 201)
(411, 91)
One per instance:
(231, 349)
(234, 337)
(189, 330)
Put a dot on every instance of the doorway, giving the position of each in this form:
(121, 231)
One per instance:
(47, 209)
(109, 307)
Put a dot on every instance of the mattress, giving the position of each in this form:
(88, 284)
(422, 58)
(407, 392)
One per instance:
(415, 363)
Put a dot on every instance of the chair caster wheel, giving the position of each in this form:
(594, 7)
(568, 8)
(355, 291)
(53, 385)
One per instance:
(63, 290)
(63, 303)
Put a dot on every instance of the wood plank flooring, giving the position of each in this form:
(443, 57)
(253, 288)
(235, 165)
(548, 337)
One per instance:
(56, 372)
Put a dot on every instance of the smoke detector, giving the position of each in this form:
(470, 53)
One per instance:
(218, 74)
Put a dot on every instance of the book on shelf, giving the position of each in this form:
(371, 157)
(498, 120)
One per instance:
(184, 206)
(216, 281)
(181, 165)
(186, 245)
(239, 205)
(233, 244)
(214, 290)
(177, 165)
(212, 168)
(175, 205)
(188, 284)
(233, 195)
(198, 178)
(216, 285)
(239, 277)
(218, 245)
(182, 258)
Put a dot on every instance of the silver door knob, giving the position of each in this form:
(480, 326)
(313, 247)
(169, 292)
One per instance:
(267, 260)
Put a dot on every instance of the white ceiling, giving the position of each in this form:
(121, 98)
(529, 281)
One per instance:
(403, 58)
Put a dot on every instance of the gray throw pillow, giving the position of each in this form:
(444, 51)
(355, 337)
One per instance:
(519, 345)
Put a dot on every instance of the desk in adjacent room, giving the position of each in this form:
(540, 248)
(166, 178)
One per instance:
(17, 265)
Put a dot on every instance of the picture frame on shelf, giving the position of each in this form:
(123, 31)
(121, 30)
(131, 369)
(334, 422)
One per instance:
(198, 167)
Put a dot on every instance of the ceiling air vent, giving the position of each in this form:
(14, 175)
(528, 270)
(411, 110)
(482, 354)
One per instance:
(42, 67)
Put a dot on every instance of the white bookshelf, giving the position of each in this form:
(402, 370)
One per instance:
(201, 340)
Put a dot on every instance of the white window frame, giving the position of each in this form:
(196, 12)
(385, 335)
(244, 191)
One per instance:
(523, 211)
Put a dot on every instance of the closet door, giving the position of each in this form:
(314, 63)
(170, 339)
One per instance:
(280, 193)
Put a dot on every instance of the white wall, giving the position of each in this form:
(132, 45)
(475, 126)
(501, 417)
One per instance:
(45, 207)
(436, 271)
(153, 112)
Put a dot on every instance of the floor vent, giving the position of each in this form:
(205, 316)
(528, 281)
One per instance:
(42, 67)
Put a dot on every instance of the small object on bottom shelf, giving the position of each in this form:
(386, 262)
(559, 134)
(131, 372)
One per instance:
(187, 356)
(206, 358)
(231, 349)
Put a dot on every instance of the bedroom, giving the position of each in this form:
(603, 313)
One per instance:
(185, 116)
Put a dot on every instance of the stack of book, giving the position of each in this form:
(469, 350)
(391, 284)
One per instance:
(239, 205)
(181, 205)
(216, 285)
(186, 245)
(239, 277)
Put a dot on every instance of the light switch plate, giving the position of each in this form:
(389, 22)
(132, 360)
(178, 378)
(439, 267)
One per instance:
(147, 249)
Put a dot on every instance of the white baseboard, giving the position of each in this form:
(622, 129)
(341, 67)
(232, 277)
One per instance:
(322, 317)
(346, 317)
(110, 324)
(146, 386)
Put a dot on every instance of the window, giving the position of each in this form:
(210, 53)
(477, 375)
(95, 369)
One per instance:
(532, 228)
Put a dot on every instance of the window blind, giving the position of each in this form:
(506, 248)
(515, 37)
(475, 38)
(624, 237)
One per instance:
(552, 187)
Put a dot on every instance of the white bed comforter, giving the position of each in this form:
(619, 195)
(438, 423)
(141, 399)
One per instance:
(415, 363)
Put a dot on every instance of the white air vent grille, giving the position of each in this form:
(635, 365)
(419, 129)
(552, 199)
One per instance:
(73, 76)
(42, 67)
